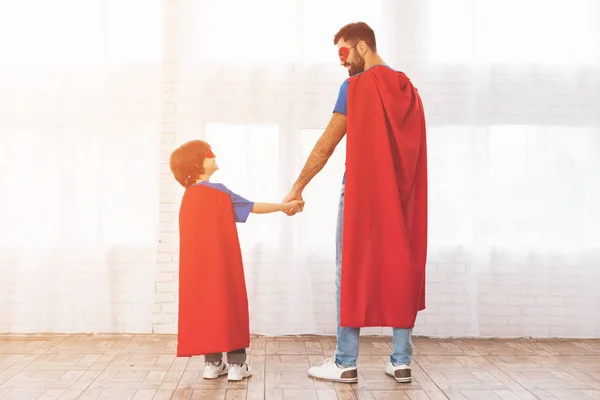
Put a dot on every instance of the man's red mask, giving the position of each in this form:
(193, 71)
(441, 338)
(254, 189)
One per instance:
(209, 153)
(344, 52)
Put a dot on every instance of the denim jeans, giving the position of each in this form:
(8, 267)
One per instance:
(346, 352)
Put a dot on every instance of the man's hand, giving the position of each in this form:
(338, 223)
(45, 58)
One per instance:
(291, 196)
(292, 207)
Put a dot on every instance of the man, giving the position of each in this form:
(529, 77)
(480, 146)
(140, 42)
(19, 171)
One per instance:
(381, 241)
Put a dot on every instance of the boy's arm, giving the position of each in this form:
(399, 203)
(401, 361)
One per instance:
(243, 207)
(267, 208)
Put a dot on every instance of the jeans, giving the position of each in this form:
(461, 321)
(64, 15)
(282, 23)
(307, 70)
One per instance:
(346, 352)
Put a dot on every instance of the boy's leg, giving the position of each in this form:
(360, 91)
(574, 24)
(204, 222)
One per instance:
(238, 369)
(215, 366)
(401, 357)
(214, 358)
(343, 367)
(237, 357)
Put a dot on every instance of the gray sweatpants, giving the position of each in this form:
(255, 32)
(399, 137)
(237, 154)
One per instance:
(233, 357)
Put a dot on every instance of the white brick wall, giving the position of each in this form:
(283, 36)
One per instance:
(513, 299)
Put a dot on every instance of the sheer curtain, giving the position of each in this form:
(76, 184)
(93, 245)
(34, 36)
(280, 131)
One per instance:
(259, 84)
(513, 117)
(79, 154)
(514, 133)
(511, 92)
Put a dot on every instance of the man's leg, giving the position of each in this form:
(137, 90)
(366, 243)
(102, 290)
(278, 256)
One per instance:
(346, 352)
(401, 357)
(402, 353)
(343, 367)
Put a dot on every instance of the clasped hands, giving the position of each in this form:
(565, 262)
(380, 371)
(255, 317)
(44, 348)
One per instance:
(295, 202)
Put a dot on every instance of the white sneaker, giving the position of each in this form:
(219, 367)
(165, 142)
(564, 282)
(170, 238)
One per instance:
(238, 372)
(332, 372)
(399, 372)
(213, 371)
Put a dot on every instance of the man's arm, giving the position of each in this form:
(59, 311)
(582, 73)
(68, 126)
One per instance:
(335, 131)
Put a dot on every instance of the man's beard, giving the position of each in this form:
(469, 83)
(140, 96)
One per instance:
(357, 66)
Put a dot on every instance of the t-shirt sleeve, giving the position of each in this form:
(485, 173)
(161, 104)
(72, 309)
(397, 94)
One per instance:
(340, 104)
(241, 206)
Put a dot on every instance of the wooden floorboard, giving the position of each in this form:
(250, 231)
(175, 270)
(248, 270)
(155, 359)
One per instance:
(144, 367)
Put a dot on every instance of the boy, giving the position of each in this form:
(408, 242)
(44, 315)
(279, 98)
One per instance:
(213, 303)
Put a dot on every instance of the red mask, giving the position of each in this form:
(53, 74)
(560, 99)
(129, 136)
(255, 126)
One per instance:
(344, 52)
(209, 153)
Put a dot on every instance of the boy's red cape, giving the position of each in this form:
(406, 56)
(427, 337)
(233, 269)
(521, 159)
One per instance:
(213, 303)
(384, 245)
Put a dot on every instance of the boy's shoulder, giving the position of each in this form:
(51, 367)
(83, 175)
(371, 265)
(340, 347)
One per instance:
(214, 185)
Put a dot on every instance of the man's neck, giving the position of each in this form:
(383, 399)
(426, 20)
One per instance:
(373, 59)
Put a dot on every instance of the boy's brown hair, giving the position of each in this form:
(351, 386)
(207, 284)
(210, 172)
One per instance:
(187, 161)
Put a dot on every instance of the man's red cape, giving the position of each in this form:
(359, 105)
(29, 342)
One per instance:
(213, 303)
(384, 246)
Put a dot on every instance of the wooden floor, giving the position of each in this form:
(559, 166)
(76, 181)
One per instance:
(144, 367)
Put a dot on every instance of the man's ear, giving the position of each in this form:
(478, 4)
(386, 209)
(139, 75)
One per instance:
(362, 47)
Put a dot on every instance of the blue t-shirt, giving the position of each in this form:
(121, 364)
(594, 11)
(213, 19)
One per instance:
(340, 106)
(241, 207)
(342, 101)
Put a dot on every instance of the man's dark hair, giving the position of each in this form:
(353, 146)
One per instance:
(354, 33)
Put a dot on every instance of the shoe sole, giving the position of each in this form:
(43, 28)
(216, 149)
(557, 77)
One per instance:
(400, 380)
(340, 380)
(214, 376)
(238, 378)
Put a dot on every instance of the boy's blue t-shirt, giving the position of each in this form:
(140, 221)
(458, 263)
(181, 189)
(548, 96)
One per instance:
(241, 206)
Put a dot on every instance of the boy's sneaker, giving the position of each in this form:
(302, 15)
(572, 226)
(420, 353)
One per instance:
(399, 372)
(238, 372)
(213, 371)
(332, 372)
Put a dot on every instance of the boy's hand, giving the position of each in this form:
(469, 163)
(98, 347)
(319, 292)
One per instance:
(294, 206)
(294, 196)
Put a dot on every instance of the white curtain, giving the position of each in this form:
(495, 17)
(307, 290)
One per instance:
(511, 91)
(512, 96)
(79, 152)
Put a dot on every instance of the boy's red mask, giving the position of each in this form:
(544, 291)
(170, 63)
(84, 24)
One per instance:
(344, 52)
(209, 153)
